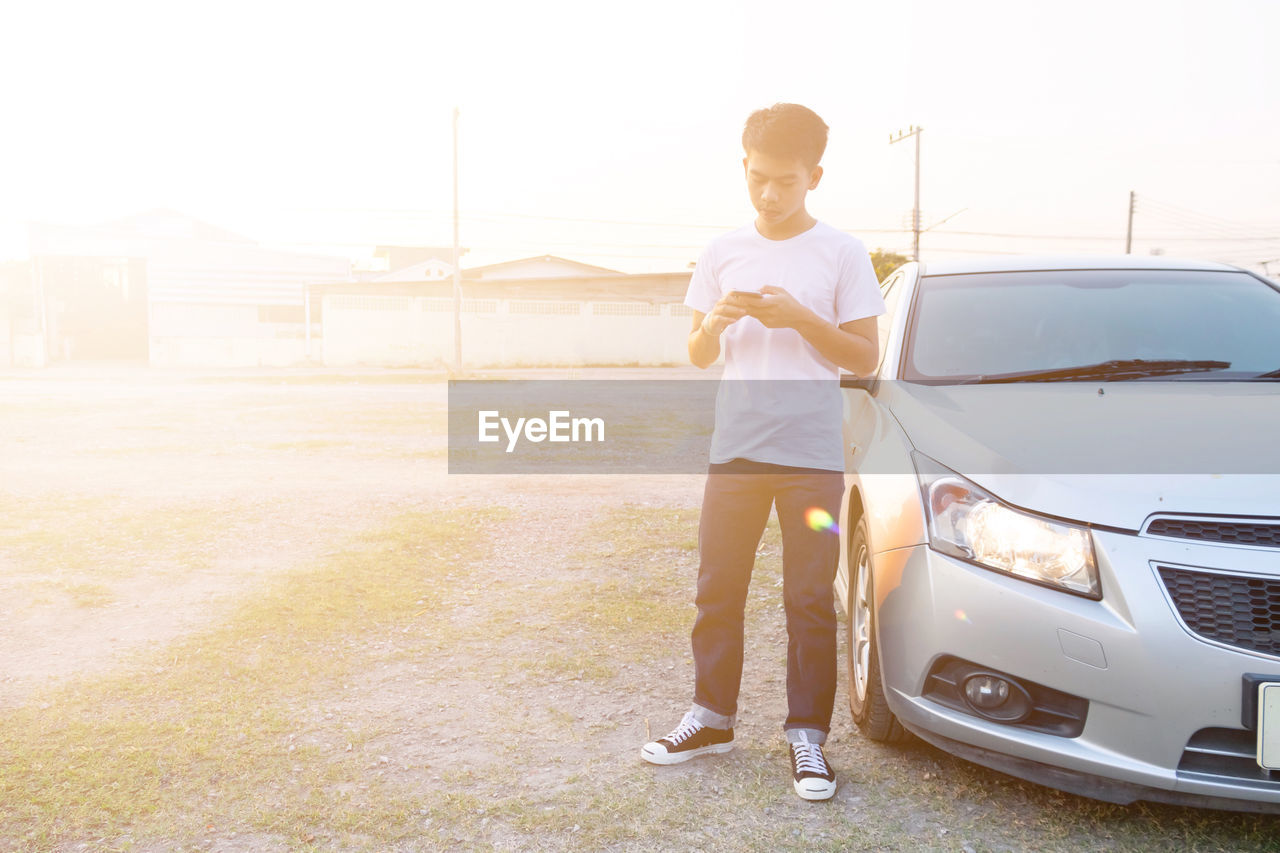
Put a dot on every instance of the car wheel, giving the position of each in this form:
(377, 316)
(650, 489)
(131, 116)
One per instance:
(866, 692)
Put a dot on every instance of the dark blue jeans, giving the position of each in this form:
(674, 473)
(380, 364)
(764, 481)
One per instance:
(735, 508)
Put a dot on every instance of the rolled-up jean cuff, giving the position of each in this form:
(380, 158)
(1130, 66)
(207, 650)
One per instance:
(710, 718)
(814, 735)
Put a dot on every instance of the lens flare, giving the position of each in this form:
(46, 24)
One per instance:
(820, 520)
(962, 616)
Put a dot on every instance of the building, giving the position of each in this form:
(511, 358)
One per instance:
(165, 289)
(538, 311)
(437, 259)
(17, 325)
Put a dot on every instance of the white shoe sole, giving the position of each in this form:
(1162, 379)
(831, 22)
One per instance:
(657, 756)
(815, 789)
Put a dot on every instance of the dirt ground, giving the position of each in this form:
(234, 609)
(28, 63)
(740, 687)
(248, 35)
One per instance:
(142, 506)
(294, 469)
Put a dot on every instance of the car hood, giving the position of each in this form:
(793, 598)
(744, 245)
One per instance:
(1104, 453)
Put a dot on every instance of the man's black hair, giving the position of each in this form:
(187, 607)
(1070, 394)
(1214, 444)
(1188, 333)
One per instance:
(786, 130)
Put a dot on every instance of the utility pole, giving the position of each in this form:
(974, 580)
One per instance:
(1128, 234)
(457, 273)
(915, 211)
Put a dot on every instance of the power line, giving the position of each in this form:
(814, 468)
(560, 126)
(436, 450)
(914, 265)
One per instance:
(1098, 237)
(1241, 255)
(1195, 214)
(1208, 234)
(595, 221)
(534, 246)
(1213, 233)
(974, 251)
(489, 217)
(1027, 236)
(1185, 239)
(495, 216)
(1217, 229)
(479, 215)
(1179, 220)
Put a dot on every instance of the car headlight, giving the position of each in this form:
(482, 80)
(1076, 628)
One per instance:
(968, 522)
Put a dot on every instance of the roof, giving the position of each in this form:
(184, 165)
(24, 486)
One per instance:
(556, 267)
(623, 287)
(429, 270)
(1028, 263)
(165, 223)
(398, 257)
(441, 252)
(191, 261)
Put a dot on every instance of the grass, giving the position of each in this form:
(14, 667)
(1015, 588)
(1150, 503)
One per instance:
(218, 733)
(629, 573)
(623, 593)
(105, 537)
(83, 595)
(465, 680)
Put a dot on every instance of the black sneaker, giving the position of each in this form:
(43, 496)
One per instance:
(689, 740)
(814, 778)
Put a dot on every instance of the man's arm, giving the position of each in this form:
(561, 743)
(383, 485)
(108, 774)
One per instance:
(855, 345)
(704, 347)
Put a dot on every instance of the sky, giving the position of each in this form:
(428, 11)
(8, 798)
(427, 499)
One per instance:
(610, 132)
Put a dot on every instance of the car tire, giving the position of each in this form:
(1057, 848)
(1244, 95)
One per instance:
(866, 690)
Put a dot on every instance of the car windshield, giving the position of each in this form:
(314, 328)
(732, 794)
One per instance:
(1087, 325)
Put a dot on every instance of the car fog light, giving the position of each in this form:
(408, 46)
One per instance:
(997, 698)
(986, 691)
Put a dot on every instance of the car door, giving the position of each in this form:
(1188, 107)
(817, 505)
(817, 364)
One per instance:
(860, 414)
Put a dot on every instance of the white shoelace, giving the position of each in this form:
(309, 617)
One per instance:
(688, 728)
(809, 758)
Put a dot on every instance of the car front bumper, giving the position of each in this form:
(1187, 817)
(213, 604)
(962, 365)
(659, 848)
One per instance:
(1152, 687)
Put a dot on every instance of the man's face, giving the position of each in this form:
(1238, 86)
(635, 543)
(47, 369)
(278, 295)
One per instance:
(778, 185)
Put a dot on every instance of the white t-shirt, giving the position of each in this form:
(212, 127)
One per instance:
(762, 413)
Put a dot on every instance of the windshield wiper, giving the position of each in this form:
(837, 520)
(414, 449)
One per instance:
(1273, 374)
(1115, 370)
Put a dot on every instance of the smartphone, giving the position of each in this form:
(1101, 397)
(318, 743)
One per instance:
(747, 294)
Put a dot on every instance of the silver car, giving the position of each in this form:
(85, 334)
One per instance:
(1061, 534)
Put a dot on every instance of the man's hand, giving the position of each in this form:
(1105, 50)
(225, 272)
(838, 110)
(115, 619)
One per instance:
(728, 310)
(778, 309)
(853, 345)
(704, 339)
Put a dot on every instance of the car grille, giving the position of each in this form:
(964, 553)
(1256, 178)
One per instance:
(1226, 755)
(1233, 609)
(1259, 534)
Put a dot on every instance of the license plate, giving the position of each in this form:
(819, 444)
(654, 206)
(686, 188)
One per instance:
(1269, 725)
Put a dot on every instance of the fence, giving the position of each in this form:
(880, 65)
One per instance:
(407, 330)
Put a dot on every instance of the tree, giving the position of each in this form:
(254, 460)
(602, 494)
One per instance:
(886, 262)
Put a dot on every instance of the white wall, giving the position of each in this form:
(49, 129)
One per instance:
(226, 352)
(28, 350)
(187, 335)
(405, 330)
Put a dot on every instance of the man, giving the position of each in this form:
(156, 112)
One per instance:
(790, 300)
